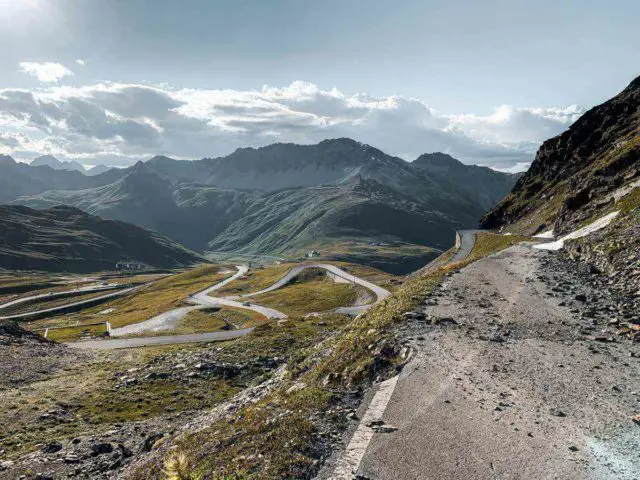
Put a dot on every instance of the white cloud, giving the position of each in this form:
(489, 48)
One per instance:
(508, 123)
(122, 123)
(80, 61)
(46, 71)
(518, 167)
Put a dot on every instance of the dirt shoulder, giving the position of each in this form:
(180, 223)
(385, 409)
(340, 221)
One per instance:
(519, 372)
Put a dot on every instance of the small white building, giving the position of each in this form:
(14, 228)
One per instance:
(129, 266)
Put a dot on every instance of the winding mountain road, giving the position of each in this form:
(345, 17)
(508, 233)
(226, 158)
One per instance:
(69, 306)
(65, 293)
(380, 292)
(168, 320)
(467, 241)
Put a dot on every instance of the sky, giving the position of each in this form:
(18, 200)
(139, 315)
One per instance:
(116, 81)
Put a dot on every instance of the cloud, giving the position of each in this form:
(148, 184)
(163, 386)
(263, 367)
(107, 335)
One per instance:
(80, 61)
(46, 71)
(518, 167)
(123, 123)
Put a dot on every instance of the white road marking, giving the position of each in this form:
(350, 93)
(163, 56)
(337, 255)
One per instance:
(348, 464)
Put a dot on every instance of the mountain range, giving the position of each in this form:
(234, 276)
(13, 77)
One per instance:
(72, 165)
(67, 239)
(283, 199)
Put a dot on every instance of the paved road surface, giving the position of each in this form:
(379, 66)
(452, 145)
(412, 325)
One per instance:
(62, 308)
(514, 390)
(168, 320)
(380, 292)
(66, 293)
(160, 340)
(164, 321)
(203, 299)
(468, 240)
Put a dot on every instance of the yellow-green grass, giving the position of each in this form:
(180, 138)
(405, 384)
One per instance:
(73, 333)
(274, 437)
(86, 391)
(71, 282)
(255, 280)
(87, 387)
(625, 205)
(371, 274)
(159, 297)
(211, 320)
(241, 317)
(314, 294)
(540, 210)
(20, 279)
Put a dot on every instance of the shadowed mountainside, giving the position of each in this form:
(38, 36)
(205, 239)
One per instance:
(67, 239)
(285, 198)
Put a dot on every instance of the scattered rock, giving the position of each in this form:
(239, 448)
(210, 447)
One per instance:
(151, 440)
(556, 412)
(379, 426)
(101, 448)
(51, 447)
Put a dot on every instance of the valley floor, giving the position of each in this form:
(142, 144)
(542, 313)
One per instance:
(515, 375)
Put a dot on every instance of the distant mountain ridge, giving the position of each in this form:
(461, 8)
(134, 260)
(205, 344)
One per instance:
(19, 179)
(53, 162)
(481, 184)
(67, 239)
(285, 198)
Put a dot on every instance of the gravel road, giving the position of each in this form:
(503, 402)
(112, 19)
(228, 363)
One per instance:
(512, 377)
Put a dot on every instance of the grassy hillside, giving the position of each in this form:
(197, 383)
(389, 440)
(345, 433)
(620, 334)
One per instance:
(67, 239)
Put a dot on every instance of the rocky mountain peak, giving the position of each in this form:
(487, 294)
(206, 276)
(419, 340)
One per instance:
(6, 160)
(437, 159)
(53, 162)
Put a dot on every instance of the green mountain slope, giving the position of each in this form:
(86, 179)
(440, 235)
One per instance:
(285, 199)
(481, 185)
(67, 239)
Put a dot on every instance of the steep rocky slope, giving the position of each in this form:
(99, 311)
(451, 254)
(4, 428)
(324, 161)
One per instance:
(67, 239)
(591, 169)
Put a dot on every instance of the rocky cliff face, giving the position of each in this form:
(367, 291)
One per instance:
(591, 169)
